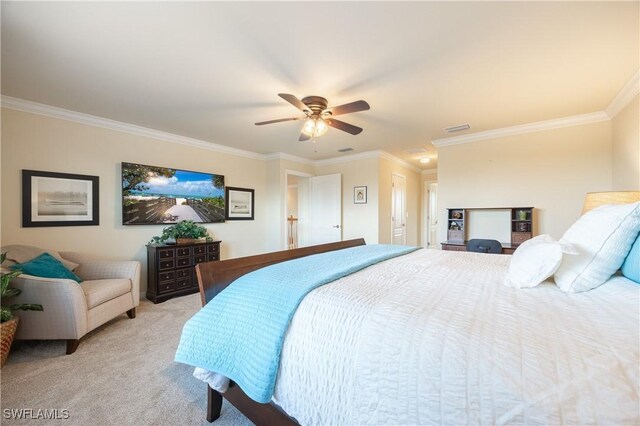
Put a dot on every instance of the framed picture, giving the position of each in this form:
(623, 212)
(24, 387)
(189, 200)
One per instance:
(239, 203)
(360, 195)
(59, 199)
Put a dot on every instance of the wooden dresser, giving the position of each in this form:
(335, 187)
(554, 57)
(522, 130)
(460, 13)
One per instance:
(170, 268)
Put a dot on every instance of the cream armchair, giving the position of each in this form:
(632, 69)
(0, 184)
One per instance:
(71, 309)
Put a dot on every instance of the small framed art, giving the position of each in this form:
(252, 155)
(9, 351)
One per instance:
(59, 199)
(240, 203)
(360, 195)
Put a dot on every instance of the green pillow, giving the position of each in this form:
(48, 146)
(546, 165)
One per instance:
(46, 266)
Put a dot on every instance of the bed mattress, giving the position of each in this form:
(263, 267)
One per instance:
(434, 337)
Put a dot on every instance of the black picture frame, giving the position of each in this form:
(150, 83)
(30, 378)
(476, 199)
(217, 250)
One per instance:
(359, 195)
(73, 199)
(240, 203)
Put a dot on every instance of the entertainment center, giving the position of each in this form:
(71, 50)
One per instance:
(514, 224)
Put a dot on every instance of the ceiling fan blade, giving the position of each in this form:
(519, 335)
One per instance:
(348, 108)
(304, 137)
(345, 127)
(295, 102)
(280, 120)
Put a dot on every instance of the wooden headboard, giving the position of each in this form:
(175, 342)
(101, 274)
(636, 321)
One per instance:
(597, 199)
(213, 277)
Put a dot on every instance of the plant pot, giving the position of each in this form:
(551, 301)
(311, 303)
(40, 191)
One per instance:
(186, 240)
(7, 332)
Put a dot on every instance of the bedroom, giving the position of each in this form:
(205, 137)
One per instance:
(87, 87)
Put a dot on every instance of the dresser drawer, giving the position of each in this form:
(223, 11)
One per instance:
(166, 287)
(183, 261)
(168, 253)
(166, 276)
(199, 258)
(183, 283)
(200, 250)
(213, 248)
(451, 247)
(520, 237)
(167, 264)
(183, 251)
(213, 257)
(182, 273)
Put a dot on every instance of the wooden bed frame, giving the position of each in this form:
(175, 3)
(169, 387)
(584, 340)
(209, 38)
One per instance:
(213, 277)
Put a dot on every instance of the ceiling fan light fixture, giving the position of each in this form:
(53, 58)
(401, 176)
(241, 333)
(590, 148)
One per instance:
(309, 127)
(321, 128)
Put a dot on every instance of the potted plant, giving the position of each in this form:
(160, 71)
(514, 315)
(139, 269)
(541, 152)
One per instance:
(9, 324)
(186, 231)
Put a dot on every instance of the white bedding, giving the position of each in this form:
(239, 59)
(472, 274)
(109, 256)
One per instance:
(434, 337)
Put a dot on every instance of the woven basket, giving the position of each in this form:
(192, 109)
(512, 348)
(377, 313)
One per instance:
(186, 240)
(7, 332)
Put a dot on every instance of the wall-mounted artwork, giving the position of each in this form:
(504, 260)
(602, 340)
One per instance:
(360, 195)
(160, 195)
(59, 199)
(240, 203)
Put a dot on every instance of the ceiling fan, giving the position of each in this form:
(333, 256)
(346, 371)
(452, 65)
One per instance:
(319, 117)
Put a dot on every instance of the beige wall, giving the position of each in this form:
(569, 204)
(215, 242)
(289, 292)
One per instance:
(40, 143)
(358, 220)
(549, 170)
(626, 148)
(414, 189)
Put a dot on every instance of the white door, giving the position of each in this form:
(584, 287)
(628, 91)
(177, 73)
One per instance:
(398, 209)
(433, 214)
(325, 209)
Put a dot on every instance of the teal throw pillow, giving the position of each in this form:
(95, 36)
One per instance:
(46, 266)
(631, 265)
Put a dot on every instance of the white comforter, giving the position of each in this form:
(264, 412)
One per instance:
(433, 337)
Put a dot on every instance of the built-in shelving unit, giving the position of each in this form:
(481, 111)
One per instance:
(521, 227)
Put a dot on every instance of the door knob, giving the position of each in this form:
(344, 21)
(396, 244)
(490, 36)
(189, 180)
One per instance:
(336, 226)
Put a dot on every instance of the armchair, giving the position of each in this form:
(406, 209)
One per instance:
(71, 309)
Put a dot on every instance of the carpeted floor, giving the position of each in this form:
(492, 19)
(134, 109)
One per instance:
(123, 373)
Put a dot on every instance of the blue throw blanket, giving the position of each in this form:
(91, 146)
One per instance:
(240, 332)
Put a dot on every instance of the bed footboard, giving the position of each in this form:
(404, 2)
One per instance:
(213, 277)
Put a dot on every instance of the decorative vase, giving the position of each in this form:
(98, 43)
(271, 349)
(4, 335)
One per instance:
(186, 240)
(7, 332)
(522, 214)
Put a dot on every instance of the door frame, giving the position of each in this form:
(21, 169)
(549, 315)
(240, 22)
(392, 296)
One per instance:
(404, 178)
(425, 212)
(283, 207)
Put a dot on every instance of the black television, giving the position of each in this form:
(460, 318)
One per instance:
(160, 195)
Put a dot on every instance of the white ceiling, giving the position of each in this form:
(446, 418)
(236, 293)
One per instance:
(209, 70)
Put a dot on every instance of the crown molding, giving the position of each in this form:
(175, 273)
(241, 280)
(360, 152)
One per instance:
(539, 126)
(626, 95)
(105, 123)
(289, 157)
(366, 155)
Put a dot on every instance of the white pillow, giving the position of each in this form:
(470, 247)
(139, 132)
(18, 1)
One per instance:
(603, 238)
(535, 260)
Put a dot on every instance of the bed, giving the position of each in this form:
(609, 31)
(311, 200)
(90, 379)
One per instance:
(434, 337)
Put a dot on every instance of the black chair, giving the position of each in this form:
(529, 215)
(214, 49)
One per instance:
(484, 246)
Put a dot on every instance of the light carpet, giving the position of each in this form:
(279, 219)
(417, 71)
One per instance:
(123, 373)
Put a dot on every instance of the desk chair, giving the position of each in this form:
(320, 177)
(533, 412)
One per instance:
(484, 246)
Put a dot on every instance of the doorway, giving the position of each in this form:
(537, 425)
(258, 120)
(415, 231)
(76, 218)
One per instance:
(430, 216)
(398, 209)
(313, 209)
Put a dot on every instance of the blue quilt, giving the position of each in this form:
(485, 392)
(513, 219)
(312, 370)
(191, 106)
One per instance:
(240, 332)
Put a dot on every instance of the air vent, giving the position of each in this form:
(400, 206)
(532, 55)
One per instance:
(457, 128)
(345, 149)
(415, 150)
